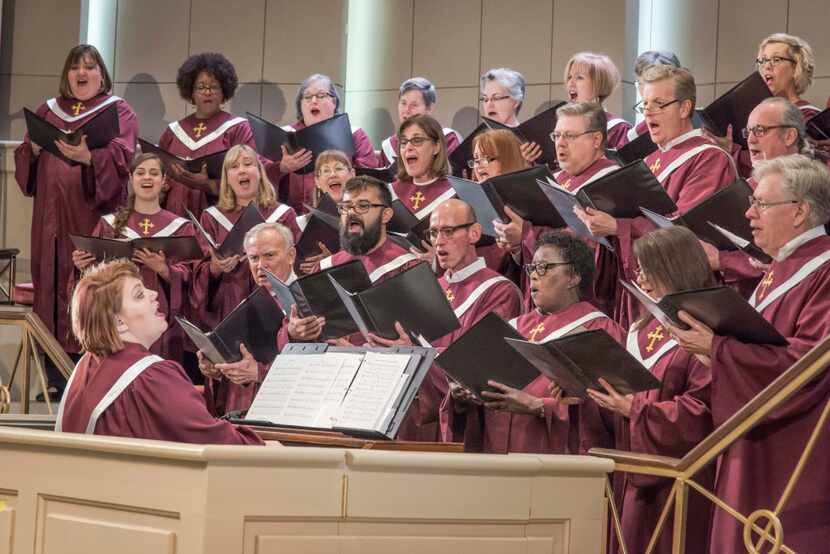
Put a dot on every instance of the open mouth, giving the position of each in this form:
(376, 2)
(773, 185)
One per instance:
(335, 187)
(755, 153)
(768, 79)
(355, 226)
(572, 95)
(315, 112)
(244, 182)
(492, 114)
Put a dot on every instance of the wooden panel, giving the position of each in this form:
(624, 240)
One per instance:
(6, 527)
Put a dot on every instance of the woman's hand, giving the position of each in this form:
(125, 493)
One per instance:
(79, 153)
(199, 181)
(531, 152)
(695, 340)
(599, 223)
(724, 142)
(512, 400)
(207, 368)
(311, 264)
(462, 397)
(293, 162)
(35, 149)
(509, 235)
(611, 399)
(426, 255)
(401, 340)
(242, 372)
(219, 265)
(156, 261)
(304, 329)
(82, 259)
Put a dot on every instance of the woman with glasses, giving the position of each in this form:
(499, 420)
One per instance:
(207, 81)
(502, 92)
(317, 100)
(672, 419)
(537, 419)
(591, 77)
(417, 96)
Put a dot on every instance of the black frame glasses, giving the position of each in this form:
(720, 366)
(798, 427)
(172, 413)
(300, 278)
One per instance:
(541, 268)
(555, 135)
(773, 61)
(416, 141)
(761, 130)
(359, 208)
(641, 108)
(762, 206)
(448, 231)
(475, 162)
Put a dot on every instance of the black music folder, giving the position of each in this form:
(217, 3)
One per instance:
(819, 125)
(537, 129)
(725, 208)
(747, 246)
(386, 174)
(464, 152)
(234, 242)
(413, 298)
(254, 322)
(334, 133)
(734, 106)
(721, 309)
(482, 354)
(314, 294)
(636, 149)
(177, 248)
(406, 229)
(99, 129)
(486, 213)
(212, 161)
(320, 227)
(359, 391)
(578, 360)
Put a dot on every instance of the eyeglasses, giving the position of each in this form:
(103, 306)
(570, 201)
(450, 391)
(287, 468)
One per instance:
(494, 98)
(358, 207)
(542, 267)
(643, 108)
(760, 130)
(475, 162)
(319, 96)
(447, 232)
(761, 206)
(205, 88)
(556, 136)
(329, 171)
(416, 141)
(773, 61)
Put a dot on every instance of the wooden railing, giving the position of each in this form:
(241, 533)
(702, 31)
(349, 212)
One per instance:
(683, 470)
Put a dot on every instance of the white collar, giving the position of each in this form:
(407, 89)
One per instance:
(461, 274)
(424, 184)
(291, 278)
(682, 138)
(791, 246)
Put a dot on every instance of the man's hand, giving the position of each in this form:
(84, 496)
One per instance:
(207, 368)
(611, 399)
(512, 400)
(242, 372)
(695, 340)
(599, 223)
(401, 340)
(304, 329)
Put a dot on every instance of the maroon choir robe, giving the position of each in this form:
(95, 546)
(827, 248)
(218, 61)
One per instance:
(296, 189)
(605, 261)
(472, 292)
(70, 199)
(212, 298)
(794, 296)
(158, 403)
(618, 129)
(387, 260)
(668, 421)
(172, 295)
(223, 396)
(564, 429)
(690, 168)
(389, 147)
(421, 200)
(634, 132)
(735, 267)
(192, 138)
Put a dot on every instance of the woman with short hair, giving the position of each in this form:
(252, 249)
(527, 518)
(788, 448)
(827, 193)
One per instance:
(502, 93)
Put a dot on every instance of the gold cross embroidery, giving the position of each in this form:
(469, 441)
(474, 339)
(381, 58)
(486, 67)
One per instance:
(765, 285)
(78, 108)
(567, 184)
(146, 225)
(655, 167)
(416, 199)
(450, 295)
(656, 335)
(199, 129)
(535, 331)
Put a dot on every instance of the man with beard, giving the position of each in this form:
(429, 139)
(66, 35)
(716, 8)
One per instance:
(364, 212)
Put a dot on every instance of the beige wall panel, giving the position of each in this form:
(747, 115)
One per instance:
(457, 108)
(628, 97)
(706, 93)
(594, 25)
(385, 48)
(537, 100)
(41, 32)
(148, 43)
(71, 535)
(248, 98)
(23, 91)
(304, 544)
(375, 111)
(742, 24)
(434, 545)
(690, 31)
(518, 35)
(809, 20)
(819, 92)
(6, 527)
(239, 37)
(156, 105)
(278, 102)
(302, 38)
(277, 537)
(447, 42)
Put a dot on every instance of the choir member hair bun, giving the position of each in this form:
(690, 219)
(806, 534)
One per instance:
(216, 64)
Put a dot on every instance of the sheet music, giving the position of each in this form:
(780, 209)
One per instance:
(372, 392)
(740, 242)
(304, 389)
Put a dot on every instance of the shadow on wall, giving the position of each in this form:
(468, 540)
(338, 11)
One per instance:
(465, 120)
(378, 124)
(143, 94)
(274, 106)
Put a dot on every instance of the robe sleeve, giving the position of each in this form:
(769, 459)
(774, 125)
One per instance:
(364, 152)
(289, 219)
(740, 371)
(735, 266)
(180, 273)
(103, 182)
(170, 407)
(25, 164)
(453, 141)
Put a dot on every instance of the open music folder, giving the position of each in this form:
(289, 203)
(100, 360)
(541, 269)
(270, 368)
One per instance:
(212, 162)
(321, 227)
(334, 133)
(254, 322)
(578, 360)
(363, 392)
(234, 241)
(734, 106)
(634, 150)
(99, 129)
(175, 248)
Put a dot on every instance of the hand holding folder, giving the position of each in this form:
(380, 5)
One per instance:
(213, 162)
(234, 241)
(99, 130)
(176, 248)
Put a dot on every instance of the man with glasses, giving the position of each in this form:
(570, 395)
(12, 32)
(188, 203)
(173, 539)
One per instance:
(788, 211)
(472, 290)
(688, 166)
